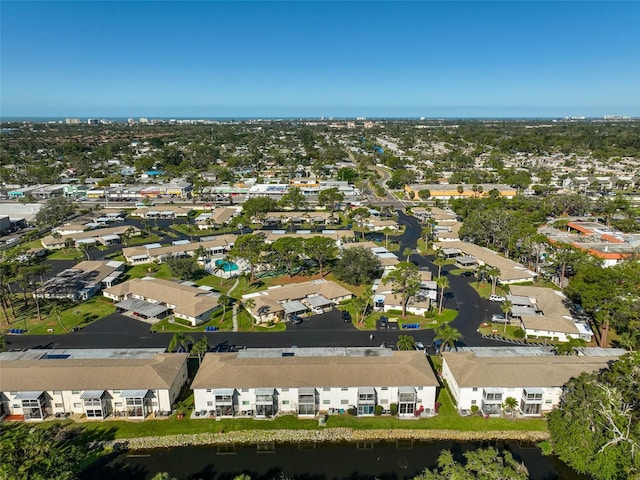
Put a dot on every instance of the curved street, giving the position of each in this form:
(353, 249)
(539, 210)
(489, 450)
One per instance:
(117, 331)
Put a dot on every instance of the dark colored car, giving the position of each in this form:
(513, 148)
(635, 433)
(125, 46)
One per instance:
(346, 316)
(466, 273)
(384, 322)
(296, 320)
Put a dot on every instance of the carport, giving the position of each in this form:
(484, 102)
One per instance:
(294, 307)
(140, 308)
(466, 262)
(319, 301)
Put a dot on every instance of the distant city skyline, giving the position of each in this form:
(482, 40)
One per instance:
(312, 59)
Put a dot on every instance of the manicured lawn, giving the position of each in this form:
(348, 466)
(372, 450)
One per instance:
(142, 240)
(165, 325)
(148, 270)
(66, 254)
(74, 315)
(425, 323)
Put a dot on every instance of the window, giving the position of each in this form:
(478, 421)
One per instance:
(13, 393)
(344, 389)
(118, 404)
(326, 389)
(208, 390)
(56, 392)
(58, 405)
(246, 402)
(75, 392)
(117, 391)
(344, 402)
(285, 402)
(209, 403)
(16, 405)
(77, 405)
(245, 390)
(548, 400)
(154, 404)
(285, 389)
(420, 388)
(473, 402)
(384, 400)
(384, 388)
(326, 402)
(474, 389)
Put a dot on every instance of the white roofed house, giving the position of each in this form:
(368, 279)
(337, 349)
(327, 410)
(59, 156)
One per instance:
(485, 377)
(91, 384)
(310, 381)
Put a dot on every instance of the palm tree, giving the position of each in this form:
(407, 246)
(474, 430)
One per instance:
(249, 304)
(387, 232)
(200, 348)
(494, 273)
(56, 311)
(481, 273)
(447, 335)
(439, 261)
(179, 342)
(127, 234)
(510, 405)
(406, 342)
(224, 301)
(407, 253)
(358, 304)
(443, 284)
(506, 309)
(568, 348)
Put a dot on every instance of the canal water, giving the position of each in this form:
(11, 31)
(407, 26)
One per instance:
(361, 461)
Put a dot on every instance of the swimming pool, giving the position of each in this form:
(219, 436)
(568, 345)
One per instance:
(226, 265)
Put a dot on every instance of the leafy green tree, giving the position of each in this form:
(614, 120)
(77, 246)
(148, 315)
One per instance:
(405, 280)
(294, 199)
(406, 342)
(257, 207)
(329, 197)
(320, 249)
(184, 268)
(357, 266)
(250, 248)
(569, 347)
(55, 211)
(424, 194)
(481, 464)
(448, 335)
(347, 174)
(286, 251)
(596, 428)
(52, 453)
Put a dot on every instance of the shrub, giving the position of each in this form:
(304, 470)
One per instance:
(475, 409)
(352, 412)
(519, 333)
(378, 410)
(393, 408)
(429, 314)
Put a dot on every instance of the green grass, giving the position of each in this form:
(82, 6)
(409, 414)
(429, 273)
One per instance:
(66, 254)
(142, 240)
(165, 325)
(74, 315)
(148, 270)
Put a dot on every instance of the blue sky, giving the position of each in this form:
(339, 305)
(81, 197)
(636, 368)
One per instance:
(364, 58)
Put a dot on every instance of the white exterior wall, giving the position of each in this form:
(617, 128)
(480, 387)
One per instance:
(328, 397)
(561, 336)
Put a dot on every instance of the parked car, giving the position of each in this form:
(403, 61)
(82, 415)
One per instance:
(346, 316)
(466, 273)
(384, 322)
(498, 318)
(496, 298)
(419, 346)
(295, 319)
(318, 310)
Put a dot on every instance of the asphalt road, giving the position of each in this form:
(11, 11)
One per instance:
(118, 331)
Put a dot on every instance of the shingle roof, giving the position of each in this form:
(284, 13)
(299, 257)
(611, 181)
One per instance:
(470, 370)
(158, 372)
(229, 371)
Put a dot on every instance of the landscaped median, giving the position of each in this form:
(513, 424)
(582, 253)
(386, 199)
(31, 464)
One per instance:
(250, 437)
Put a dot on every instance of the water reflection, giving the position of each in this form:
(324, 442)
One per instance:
(362, 461)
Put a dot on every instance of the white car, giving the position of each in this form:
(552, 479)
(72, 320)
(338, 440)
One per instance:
(496, 298)
(497, 318)
(318, 310)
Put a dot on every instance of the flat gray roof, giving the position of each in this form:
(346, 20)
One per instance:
(140, 306)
